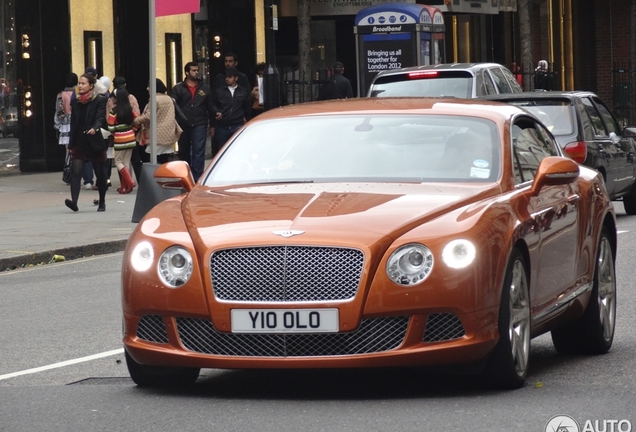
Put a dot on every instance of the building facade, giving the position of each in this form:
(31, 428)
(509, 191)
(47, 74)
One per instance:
(586, 42)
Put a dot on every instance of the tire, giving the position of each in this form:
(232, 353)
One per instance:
(507, 366)
(160, 376)
(629, 201)
(593, 332)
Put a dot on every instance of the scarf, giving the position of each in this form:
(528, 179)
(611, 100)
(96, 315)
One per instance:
(86, 97)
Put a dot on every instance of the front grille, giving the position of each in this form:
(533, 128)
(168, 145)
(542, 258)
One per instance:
(373, 335)
(286, 273)
(443, 327)
(152, 329)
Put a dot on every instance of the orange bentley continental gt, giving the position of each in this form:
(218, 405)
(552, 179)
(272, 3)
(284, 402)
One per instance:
(372, 233)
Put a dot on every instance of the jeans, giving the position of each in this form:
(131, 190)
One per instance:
(223, 133)
(87, 173)
(192, 149)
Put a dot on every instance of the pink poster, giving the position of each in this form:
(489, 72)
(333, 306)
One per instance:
(175, 7)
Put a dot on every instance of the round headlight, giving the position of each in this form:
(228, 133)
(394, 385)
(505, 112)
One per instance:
(175, 266)
(410, 264)
(459, 253)
(142, 256)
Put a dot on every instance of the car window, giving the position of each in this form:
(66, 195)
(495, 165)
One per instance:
(485, 86)
(514, 84)
(501, 83)
(555, 114)
(425, 83)
(595, 117)
(608, 118)
(323, 148)
(531, 144)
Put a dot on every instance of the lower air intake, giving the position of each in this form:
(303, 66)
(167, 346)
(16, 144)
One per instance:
(373, 335)
(152, 329)
(443, 327)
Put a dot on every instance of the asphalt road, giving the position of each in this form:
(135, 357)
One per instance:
(70, 312)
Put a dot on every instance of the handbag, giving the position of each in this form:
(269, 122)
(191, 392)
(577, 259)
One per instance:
(66, 171)
(98, 144)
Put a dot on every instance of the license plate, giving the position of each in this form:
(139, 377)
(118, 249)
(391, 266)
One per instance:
(285, 320)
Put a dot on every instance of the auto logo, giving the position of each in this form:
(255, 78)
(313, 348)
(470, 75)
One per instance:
(288, 233)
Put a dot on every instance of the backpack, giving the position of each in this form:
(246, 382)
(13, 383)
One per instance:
(60, 115)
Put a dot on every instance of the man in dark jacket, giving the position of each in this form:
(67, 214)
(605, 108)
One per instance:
(195, 100)
(230, 60)
(235, 105)
(342, 85)
(337, 86)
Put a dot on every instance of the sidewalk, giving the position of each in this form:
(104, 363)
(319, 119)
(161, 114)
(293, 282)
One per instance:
(37, 225)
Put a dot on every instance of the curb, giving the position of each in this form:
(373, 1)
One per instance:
(69, 253)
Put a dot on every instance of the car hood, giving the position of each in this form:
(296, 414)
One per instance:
(357, 213)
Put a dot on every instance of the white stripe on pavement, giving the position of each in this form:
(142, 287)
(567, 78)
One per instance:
(62, 364)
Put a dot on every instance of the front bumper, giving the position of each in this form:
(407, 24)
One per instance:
(403, 340)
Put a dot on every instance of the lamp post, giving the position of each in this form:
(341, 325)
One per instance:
(271, 91)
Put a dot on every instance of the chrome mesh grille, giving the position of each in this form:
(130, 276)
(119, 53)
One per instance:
(443, 327)
(152, 329)
(373, 335)
(286, 273)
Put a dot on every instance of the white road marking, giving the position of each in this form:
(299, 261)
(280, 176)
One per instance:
(621, 231)
(62, 364)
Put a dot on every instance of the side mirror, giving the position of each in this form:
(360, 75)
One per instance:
(175, 175)
(629, 132)
(554, 170)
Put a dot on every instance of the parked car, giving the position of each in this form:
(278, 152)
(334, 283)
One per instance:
(372, 233)
(461, 80)
(588, 132)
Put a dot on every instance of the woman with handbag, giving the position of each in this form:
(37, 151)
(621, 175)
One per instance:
(86, 144)
(120, 125)
(168, 130)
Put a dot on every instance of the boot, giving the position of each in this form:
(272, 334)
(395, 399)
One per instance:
(127, 181)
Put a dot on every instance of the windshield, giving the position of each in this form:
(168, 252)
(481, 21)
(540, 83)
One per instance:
(425, 83)
(556, 115)
(389, 148)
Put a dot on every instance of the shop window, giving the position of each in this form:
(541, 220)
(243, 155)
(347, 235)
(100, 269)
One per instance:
(93, 50)
(174, 67)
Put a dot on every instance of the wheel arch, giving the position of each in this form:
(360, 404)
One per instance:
(610, 223)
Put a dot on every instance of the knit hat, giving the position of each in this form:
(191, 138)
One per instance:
(106, 81)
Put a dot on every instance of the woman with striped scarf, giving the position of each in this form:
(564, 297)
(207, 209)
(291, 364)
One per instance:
(120, 124)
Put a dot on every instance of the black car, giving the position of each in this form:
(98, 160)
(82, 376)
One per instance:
(461, 80)
(589, 133)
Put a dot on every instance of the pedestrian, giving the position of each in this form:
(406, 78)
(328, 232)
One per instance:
(257, 91)
(120, 125)
(342, 85)
(108, 165)
(89, 184)
(195, 100)
(235, 106)
(135, 159)
(543, 78)
(336, 85)
(62, 117)
(230, 60)
(85, 140)
(168, 131)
